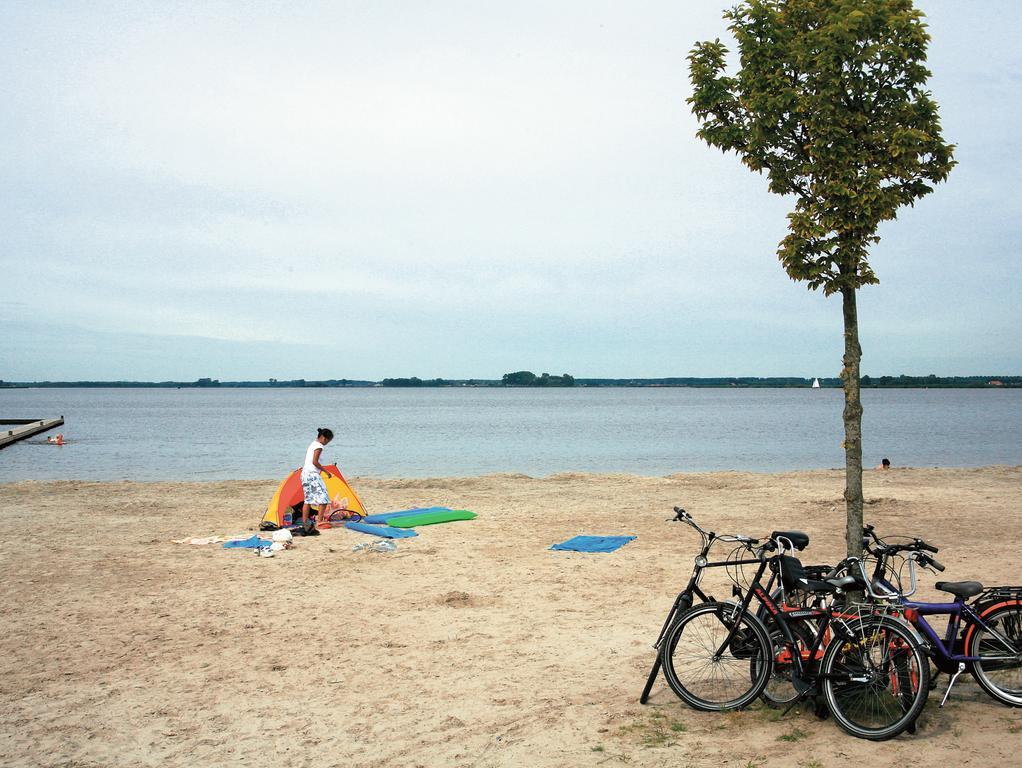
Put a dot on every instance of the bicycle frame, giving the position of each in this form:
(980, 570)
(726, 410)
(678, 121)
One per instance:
(684, 599)
(803, 679)
(960, 615)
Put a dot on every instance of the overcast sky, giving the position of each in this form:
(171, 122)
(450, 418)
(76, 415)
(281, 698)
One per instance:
(370, 189)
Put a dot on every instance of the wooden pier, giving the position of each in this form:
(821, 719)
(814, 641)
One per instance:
(13, 430)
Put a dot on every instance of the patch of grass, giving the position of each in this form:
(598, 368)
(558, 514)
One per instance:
(795, 734)
(658, 736)
(772, 715)
(811, 764)
(619, 758)
(597, 748)
(655, 730)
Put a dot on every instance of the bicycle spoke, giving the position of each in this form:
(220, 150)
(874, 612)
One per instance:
(694, 666)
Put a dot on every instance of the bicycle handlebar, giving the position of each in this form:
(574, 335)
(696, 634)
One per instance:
(926, 560)
(883, 548)
(680, 515)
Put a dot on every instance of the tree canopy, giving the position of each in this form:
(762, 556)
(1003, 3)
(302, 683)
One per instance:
(529, 379)
(830, 103)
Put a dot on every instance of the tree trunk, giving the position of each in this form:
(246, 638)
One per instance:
(853, 425)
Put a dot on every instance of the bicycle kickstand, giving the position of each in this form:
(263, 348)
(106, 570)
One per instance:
(806, 694)
(951, 682)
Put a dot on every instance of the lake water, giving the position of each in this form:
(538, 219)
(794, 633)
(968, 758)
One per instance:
(206, 434)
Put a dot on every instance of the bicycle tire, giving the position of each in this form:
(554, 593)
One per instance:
(897, 678)
(1005, 688)
(779, 691)
(699, 677)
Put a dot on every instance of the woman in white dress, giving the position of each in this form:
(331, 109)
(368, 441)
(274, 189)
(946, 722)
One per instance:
(312, 483)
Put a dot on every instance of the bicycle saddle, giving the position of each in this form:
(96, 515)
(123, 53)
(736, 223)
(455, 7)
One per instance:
(960, 588)
(798, 539)
(847, 584)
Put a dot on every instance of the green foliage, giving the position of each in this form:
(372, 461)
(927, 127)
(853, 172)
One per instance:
(519, 379)
(529, 379)
(795, 734)
(830, 103)
(415, 381)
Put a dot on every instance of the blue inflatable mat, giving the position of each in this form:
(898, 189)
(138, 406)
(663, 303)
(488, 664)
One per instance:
(384, 517)
(382, 530)
(253, 542)
(593, 543)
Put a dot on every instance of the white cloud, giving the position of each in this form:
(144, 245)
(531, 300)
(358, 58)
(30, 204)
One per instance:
(521, 179)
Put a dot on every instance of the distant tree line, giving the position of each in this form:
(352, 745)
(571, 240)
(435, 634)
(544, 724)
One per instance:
(941, 382)
(415, 381)
(529, 379)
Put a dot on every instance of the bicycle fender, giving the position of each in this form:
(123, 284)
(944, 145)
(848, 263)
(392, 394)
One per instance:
(967, 638)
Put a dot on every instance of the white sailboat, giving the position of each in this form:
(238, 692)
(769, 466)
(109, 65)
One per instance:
(816, 383)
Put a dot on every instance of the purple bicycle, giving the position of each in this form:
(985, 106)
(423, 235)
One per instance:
(983, 636)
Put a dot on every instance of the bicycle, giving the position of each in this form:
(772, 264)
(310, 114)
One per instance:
(983, 637)
(866, 665)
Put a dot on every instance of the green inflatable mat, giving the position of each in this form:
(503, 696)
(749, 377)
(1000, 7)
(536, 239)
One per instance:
(431, 518)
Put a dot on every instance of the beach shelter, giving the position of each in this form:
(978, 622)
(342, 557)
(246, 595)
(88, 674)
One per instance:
(285, 507)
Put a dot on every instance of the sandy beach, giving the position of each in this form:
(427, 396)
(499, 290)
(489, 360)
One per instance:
(471, 645)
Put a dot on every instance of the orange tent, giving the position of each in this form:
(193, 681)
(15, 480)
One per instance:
(285, 508)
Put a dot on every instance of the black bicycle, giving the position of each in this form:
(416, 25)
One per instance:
(863, 663)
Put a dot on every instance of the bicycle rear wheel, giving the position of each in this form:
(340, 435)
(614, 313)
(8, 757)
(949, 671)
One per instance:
(709, 681)
(999, 670)
(779, 690)
(876, 677)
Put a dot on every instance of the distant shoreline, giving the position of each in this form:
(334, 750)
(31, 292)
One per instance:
(742, 382)
(398, 482)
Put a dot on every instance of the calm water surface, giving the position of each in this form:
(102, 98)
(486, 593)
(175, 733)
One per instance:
(195, 434)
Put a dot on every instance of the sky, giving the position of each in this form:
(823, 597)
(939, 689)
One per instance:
(457, 189)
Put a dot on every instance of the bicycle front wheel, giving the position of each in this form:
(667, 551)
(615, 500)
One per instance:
(709, 671)
(999, 669)
(876, 677)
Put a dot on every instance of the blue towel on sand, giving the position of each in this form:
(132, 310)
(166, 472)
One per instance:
(254, 542)
(382, 530)
(593, 543)
(385, 516)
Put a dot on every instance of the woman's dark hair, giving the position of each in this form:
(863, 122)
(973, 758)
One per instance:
(324, 432)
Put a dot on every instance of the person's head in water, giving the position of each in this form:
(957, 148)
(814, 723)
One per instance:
(324, 435)
(885, 463)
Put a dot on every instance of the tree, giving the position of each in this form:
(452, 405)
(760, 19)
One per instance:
(829, 101)
(519, 379)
